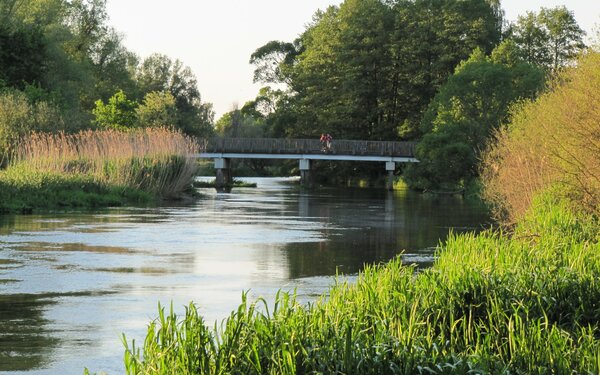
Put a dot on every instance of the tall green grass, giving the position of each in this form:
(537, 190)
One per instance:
(528, 303)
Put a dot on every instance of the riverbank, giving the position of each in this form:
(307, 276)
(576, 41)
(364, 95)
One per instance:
(97, 169)
(24, 191)
(492, 303)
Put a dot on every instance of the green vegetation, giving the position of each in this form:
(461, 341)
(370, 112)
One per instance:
(442, 73)
(553, 142)
(64, 69)
(522, 300)
(366, 69)
(24, 190)
(97, 168)
(490, 304)
(461, 118)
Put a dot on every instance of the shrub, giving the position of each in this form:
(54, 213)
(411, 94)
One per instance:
(19, 117)
(553, 142)
(119, 113)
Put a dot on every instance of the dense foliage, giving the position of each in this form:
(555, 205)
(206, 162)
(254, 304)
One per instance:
(63, 57)
(551, 142)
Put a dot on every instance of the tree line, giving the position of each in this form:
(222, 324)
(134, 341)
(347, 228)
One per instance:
(440, 72)
(64, 68)
(444, 73)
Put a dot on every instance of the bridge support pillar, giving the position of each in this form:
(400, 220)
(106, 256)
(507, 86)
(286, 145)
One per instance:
(390, 167)
(223, 178)
(305, 177)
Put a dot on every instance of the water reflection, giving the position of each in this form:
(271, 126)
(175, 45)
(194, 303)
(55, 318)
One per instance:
(25, 341)
(73, 282)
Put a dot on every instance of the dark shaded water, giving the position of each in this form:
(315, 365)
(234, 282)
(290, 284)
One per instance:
(72, 283)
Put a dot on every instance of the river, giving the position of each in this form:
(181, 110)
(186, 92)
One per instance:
(71, 283)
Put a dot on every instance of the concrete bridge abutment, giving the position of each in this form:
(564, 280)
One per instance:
(390, 167)
(305, 175)
(224, 178)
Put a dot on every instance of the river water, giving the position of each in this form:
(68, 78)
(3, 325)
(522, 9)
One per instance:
(72, 283)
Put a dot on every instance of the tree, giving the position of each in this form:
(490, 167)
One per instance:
(550, 38)
(461, 118)
(113, 66)
(272, 61)
(430, 38)
(119, 113)
(22, 56)
(565, 37)
(160, 73)
(157, 109)
(239, 124)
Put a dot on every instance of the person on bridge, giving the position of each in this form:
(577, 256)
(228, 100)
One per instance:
(329, 142)
(323, 140)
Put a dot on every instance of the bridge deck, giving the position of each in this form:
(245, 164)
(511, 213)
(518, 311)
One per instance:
(273, 148)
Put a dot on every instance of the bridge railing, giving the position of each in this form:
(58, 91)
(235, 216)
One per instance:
(309, 146)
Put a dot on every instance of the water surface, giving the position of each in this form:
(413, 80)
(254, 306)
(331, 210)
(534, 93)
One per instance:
(72, 283)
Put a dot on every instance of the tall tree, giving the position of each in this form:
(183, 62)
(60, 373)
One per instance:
(430, 39)
(550, 38)
(565, 37)
(160, 73)
(460, 119)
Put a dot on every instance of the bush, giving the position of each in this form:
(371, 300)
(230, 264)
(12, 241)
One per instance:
(553, 142)
(19, 117)
(118, 114)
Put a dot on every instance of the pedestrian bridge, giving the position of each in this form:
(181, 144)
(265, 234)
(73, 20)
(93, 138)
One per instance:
(222, 150)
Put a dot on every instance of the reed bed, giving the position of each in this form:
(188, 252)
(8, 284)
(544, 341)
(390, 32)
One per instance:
(156, 160)
(491, 304)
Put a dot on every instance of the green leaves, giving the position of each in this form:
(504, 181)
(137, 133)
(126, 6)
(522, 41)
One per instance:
(549, 38)
(118, 114)
(461, 118)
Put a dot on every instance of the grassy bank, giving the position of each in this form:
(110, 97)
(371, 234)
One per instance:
(96, 168)
(24, 190)
(525, 303)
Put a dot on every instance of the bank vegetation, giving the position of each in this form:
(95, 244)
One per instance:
(97, 168)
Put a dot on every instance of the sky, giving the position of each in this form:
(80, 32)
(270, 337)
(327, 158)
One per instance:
(215, 38)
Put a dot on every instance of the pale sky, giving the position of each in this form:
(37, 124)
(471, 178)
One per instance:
(215, 38)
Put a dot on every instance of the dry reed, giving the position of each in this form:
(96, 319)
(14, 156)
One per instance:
(153, 159)
(553, 142)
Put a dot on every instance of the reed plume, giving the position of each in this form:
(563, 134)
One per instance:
(157, 160)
